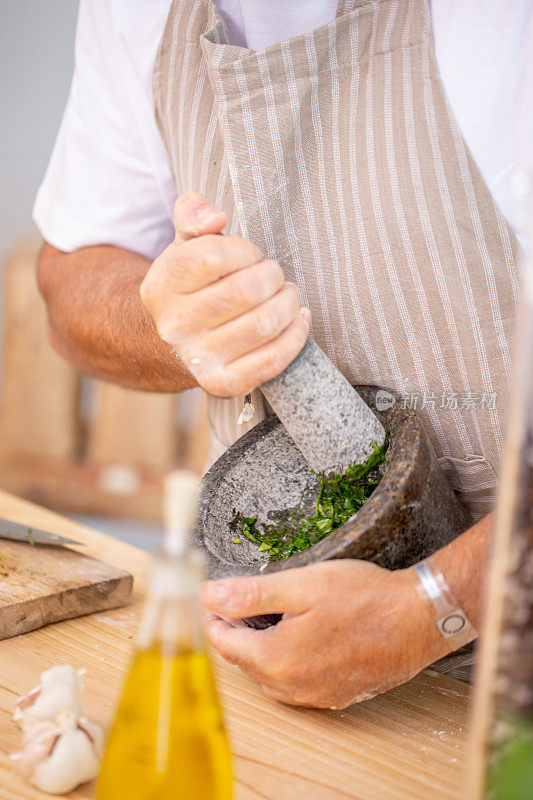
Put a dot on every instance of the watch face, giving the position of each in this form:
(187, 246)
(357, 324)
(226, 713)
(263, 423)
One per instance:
(452, 623)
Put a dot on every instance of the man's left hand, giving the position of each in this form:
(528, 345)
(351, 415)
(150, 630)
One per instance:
(350, 630)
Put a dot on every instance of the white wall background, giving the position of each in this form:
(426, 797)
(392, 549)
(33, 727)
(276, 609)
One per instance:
(36, 61)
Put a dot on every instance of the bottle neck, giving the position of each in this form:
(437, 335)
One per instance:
(172, 621)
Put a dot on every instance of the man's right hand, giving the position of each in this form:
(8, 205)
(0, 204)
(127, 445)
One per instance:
(229, 313)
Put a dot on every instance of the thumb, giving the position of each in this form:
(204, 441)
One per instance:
(194, 216)
(285, 592)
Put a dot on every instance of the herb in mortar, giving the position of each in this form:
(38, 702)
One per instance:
(339, 497)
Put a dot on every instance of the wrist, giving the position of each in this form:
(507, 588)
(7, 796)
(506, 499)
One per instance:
(463, 563)
(422, 630)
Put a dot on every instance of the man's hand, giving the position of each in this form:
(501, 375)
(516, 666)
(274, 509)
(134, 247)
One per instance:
(350, 630)
(230, 315)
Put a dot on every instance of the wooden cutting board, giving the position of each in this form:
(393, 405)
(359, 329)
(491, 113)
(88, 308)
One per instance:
(41, 584)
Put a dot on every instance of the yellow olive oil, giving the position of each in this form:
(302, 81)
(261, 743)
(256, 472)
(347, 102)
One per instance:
(168, 741)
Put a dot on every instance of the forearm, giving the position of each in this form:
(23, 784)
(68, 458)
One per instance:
(98, 321)
(464, 564)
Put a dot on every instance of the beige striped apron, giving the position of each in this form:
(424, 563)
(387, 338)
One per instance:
(337, 154)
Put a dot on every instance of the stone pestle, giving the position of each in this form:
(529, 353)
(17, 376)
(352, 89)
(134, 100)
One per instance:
(328, 421)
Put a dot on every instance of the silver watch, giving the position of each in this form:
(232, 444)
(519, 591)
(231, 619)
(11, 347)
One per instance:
(452, 621)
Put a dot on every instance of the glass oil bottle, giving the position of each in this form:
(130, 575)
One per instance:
(168, 740)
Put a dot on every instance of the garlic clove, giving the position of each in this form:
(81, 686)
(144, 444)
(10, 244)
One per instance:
(59, 689)
(35, 751)
(95, 734)
(72, 760)
(25, 702)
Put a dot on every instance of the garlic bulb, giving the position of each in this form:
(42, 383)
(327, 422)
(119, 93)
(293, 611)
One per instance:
(61, 748)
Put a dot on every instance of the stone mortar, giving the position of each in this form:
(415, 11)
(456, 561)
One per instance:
(411, 513)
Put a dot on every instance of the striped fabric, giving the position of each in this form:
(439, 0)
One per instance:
(337, 154)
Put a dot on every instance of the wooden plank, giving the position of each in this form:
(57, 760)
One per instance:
(38, 410)
(409, 744)
(509, 558)
(133, 427)
(40, 585)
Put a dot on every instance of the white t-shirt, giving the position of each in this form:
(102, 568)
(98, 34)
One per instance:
(109, 181)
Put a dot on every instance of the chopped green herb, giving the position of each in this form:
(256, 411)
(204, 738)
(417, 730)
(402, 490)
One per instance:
(31, 540)
(339, 497)
(235, 540)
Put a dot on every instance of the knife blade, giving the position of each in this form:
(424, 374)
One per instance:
(18, 532)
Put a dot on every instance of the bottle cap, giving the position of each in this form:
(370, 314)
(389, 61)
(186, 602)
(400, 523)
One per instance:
(179, 508)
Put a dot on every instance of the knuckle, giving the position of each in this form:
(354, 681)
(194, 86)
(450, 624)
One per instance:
(203, 252)
(249, 593)
(301, 332)
(251, 253)
(210, 253)
(273, 361)
(294, 295)
(245, 291)
(266, 324)
(213, 305)
(182, 268)
(275, 271)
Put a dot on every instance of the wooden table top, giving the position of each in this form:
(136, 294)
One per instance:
(409, 744)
